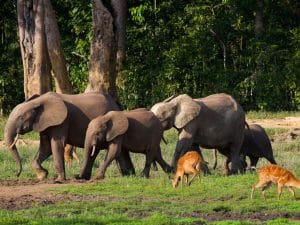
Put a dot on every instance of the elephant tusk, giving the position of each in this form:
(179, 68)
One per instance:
(15, 141)
(93, 150)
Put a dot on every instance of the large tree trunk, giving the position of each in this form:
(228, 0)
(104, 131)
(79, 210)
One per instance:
(259, 25)
(102, 64)
(37, 79)
(57, 59)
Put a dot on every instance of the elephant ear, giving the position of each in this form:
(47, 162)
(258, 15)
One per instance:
(187, 110)
(118, 124)
(51, 111)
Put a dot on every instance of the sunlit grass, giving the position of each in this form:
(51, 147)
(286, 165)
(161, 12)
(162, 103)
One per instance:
(136, 200)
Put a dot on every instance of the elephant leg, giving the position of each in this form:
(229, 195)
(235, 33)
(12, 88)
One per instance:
(162, 162)
(204, 167)
(271, 159)
(236, 164)
(114, 150)
(147, 167)
(182, 146)
(43, 153)
(58, 159)
(154, 166)
(253, 162)
(125, 164)
(226, 166)
(86, 170)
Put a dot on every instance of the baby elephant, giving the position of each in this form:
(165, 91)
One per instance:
(256, 145)
(137, 131)
(189, 163)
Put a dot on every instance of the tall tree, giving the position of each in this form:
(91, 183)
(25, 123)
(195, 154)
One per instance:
(102, 64)
(56, 55)
(108, 45)
(33, 47)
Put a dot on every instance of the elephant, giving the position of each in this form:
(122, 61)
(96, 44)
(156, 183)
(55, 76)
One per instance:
(216, 121)
(137, 131)
(60, 119)
(256, 145)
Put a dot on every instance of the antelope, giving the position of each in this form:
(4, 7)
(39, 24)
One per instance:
(69, 154)
(275, 174)
(189, 163)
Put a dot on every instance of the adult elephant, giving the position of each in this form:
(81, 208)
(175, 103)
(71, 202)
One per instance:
(137, 131)
(216, 121)
(60, 119)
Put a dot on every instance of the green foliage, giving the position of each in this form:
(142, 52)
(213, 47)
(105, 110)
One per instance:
(195, 47)
(11, 70)
(179, 48)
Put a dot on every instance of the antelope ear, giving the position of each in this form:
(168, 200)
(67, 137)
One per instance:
(187, 110)
(50, 111)
(118, 124)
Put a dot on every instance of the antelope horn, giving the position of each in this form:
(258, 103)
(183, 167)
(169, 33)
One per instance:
(15, 141)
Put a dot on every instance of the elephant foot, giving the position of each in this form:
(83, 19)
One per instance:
(145, 175)
(42, 174)
(99, 177)
(82, 177)
(60, 179)
(205, 170)
(169, 169)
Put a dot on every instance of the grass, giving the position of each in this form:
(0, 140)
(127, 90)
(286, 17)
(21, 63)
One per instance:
(135, 200)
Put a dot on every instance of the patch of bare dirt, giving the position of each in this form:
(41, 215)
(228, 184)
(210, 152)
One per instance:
(224, 215)
(15, 195)
(291, 124)
(287, 122)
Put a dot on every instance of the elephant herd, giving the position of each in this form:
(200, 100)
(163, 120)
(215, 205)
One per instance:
(94, 121)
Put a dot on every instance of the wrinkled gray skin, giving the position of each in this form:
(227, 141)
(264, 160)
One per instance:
(214, 122)
(136, 131)
(60, 119)
(256, 145)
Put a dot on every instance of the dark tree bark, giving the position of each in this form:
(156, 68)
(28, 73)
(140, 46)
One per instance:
(119, 8)
(102, 64)
(37, 78)
(55, 51)
(259, 25)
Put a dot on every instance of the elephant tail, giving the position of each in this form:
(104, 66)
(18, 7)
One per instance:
(164, 140)
(247, 125)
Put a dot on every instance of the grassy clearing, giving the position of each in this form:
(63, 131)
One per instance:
(135, 200)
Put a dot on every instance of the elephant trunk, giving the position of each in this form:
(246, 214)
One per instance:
(10, 138)
(89, 158)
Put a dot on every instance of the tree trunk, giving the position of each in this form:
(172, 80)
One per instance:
(102, 64)
(55, 51)
(37, 79)
(259, 25)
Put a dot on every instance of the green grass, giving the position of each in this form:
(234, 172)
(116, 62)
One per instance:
(135, 200)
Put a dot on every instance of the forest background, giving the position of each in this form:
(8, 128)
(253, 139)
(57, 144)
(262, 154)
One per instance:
(194, 47)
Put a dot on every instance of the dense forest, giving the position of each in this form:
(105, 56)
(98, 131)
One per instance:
(249, 49)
